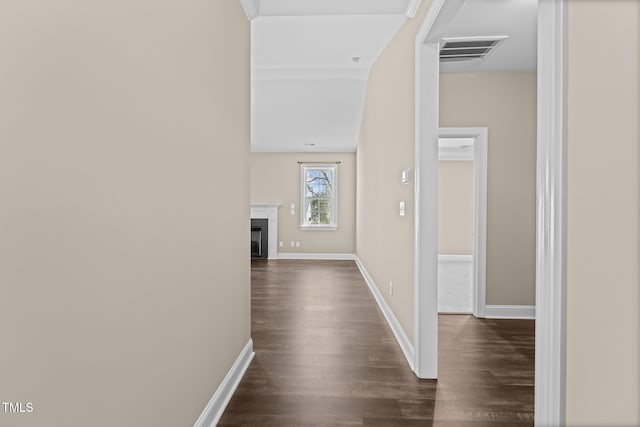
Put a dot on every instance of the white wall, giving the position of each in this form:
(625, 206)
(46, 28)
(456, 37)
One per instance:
(124, 286)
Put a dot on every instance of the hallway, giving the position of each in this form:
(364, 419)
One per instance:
(325, 356)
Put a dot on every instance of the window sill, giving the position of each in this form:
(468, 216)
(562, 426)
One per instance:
(318, 227)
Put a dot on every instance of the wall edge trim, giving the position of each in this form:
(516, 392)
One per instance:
(317, 256)
(510, 311)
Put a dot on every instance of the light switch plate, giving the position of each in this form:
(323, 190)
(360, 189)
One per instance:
(402, 208)
(406, 176)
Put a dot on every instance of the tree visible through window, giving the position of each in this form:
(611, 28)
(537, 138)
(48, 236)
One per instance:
(318, 208)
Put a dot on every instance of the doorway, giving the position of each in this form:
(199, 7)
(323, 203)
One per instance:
(462, 158)
(550, 266)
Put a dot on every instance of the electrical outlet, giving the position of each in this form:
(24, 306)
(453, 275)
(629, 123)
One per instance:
(293, 244)
(281, 244)
(297, 244)
(390, 288)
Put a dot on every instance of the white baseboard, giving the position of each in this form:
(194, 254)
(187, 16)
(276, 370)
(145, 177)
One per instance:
(455, 258)
(405, 344)
(510, 311)
(216, 406)
(312, 256)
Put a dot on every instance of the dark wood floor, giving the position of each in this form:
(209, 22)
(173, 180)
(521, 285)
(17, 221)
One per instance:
(326, 357)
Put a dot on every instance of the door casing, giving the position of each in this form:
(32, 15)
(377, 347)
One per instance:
(550, 364)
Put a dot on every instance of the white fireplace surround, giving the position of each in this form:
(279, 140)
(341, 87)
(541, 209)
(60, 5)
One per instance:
(268, 211)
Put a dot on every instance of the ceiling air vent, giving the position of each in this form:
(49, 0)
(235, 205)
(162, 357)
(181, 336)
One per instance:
(456, 49)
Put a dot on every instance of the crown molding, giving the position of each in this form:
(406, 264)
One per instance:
(250, 9)
(330, 8)
(412, 8)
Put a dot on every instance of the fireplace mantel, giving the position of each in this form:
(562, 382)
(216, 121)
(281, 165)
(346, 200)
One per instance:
(268, 211)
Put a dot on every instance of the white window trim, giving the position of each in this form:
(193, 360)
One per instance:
(334, 213)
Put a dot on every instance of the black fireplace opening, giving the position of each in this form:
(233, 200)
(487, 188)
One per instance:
(259, 238)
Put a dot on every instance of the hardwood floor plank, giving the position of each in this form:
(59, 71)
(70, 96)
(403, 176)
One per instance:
(326, 357)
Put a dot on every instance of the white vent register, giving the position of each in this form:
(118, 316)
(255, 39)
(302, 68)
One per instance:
(456, 49)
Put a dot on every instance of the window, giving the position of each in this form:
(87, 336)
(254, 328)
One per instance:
(318, 208)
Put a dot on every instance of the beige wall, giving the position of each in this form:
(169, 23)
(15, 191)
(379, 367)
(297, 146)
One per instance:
(506, 104)
(124, 268)
(275, 178)
(603, 256)
(385, 240)
(455, 208)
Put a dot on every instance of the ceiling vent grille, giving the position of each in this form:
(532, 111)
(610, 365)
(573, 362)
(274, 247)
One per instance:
(457, 49)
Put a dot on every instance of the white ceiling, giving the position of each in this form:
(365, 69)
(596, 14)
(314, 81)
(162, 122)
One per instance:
(311, 61)
(516, 19)
(310, 64)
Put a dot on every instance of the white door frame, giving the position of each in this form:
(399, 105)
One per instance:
(480, 155)
(550, 373)
(427, 80)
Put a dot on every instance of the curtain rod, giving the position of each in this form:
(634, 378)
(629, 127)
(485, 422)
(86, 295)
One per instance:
(337, 163)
